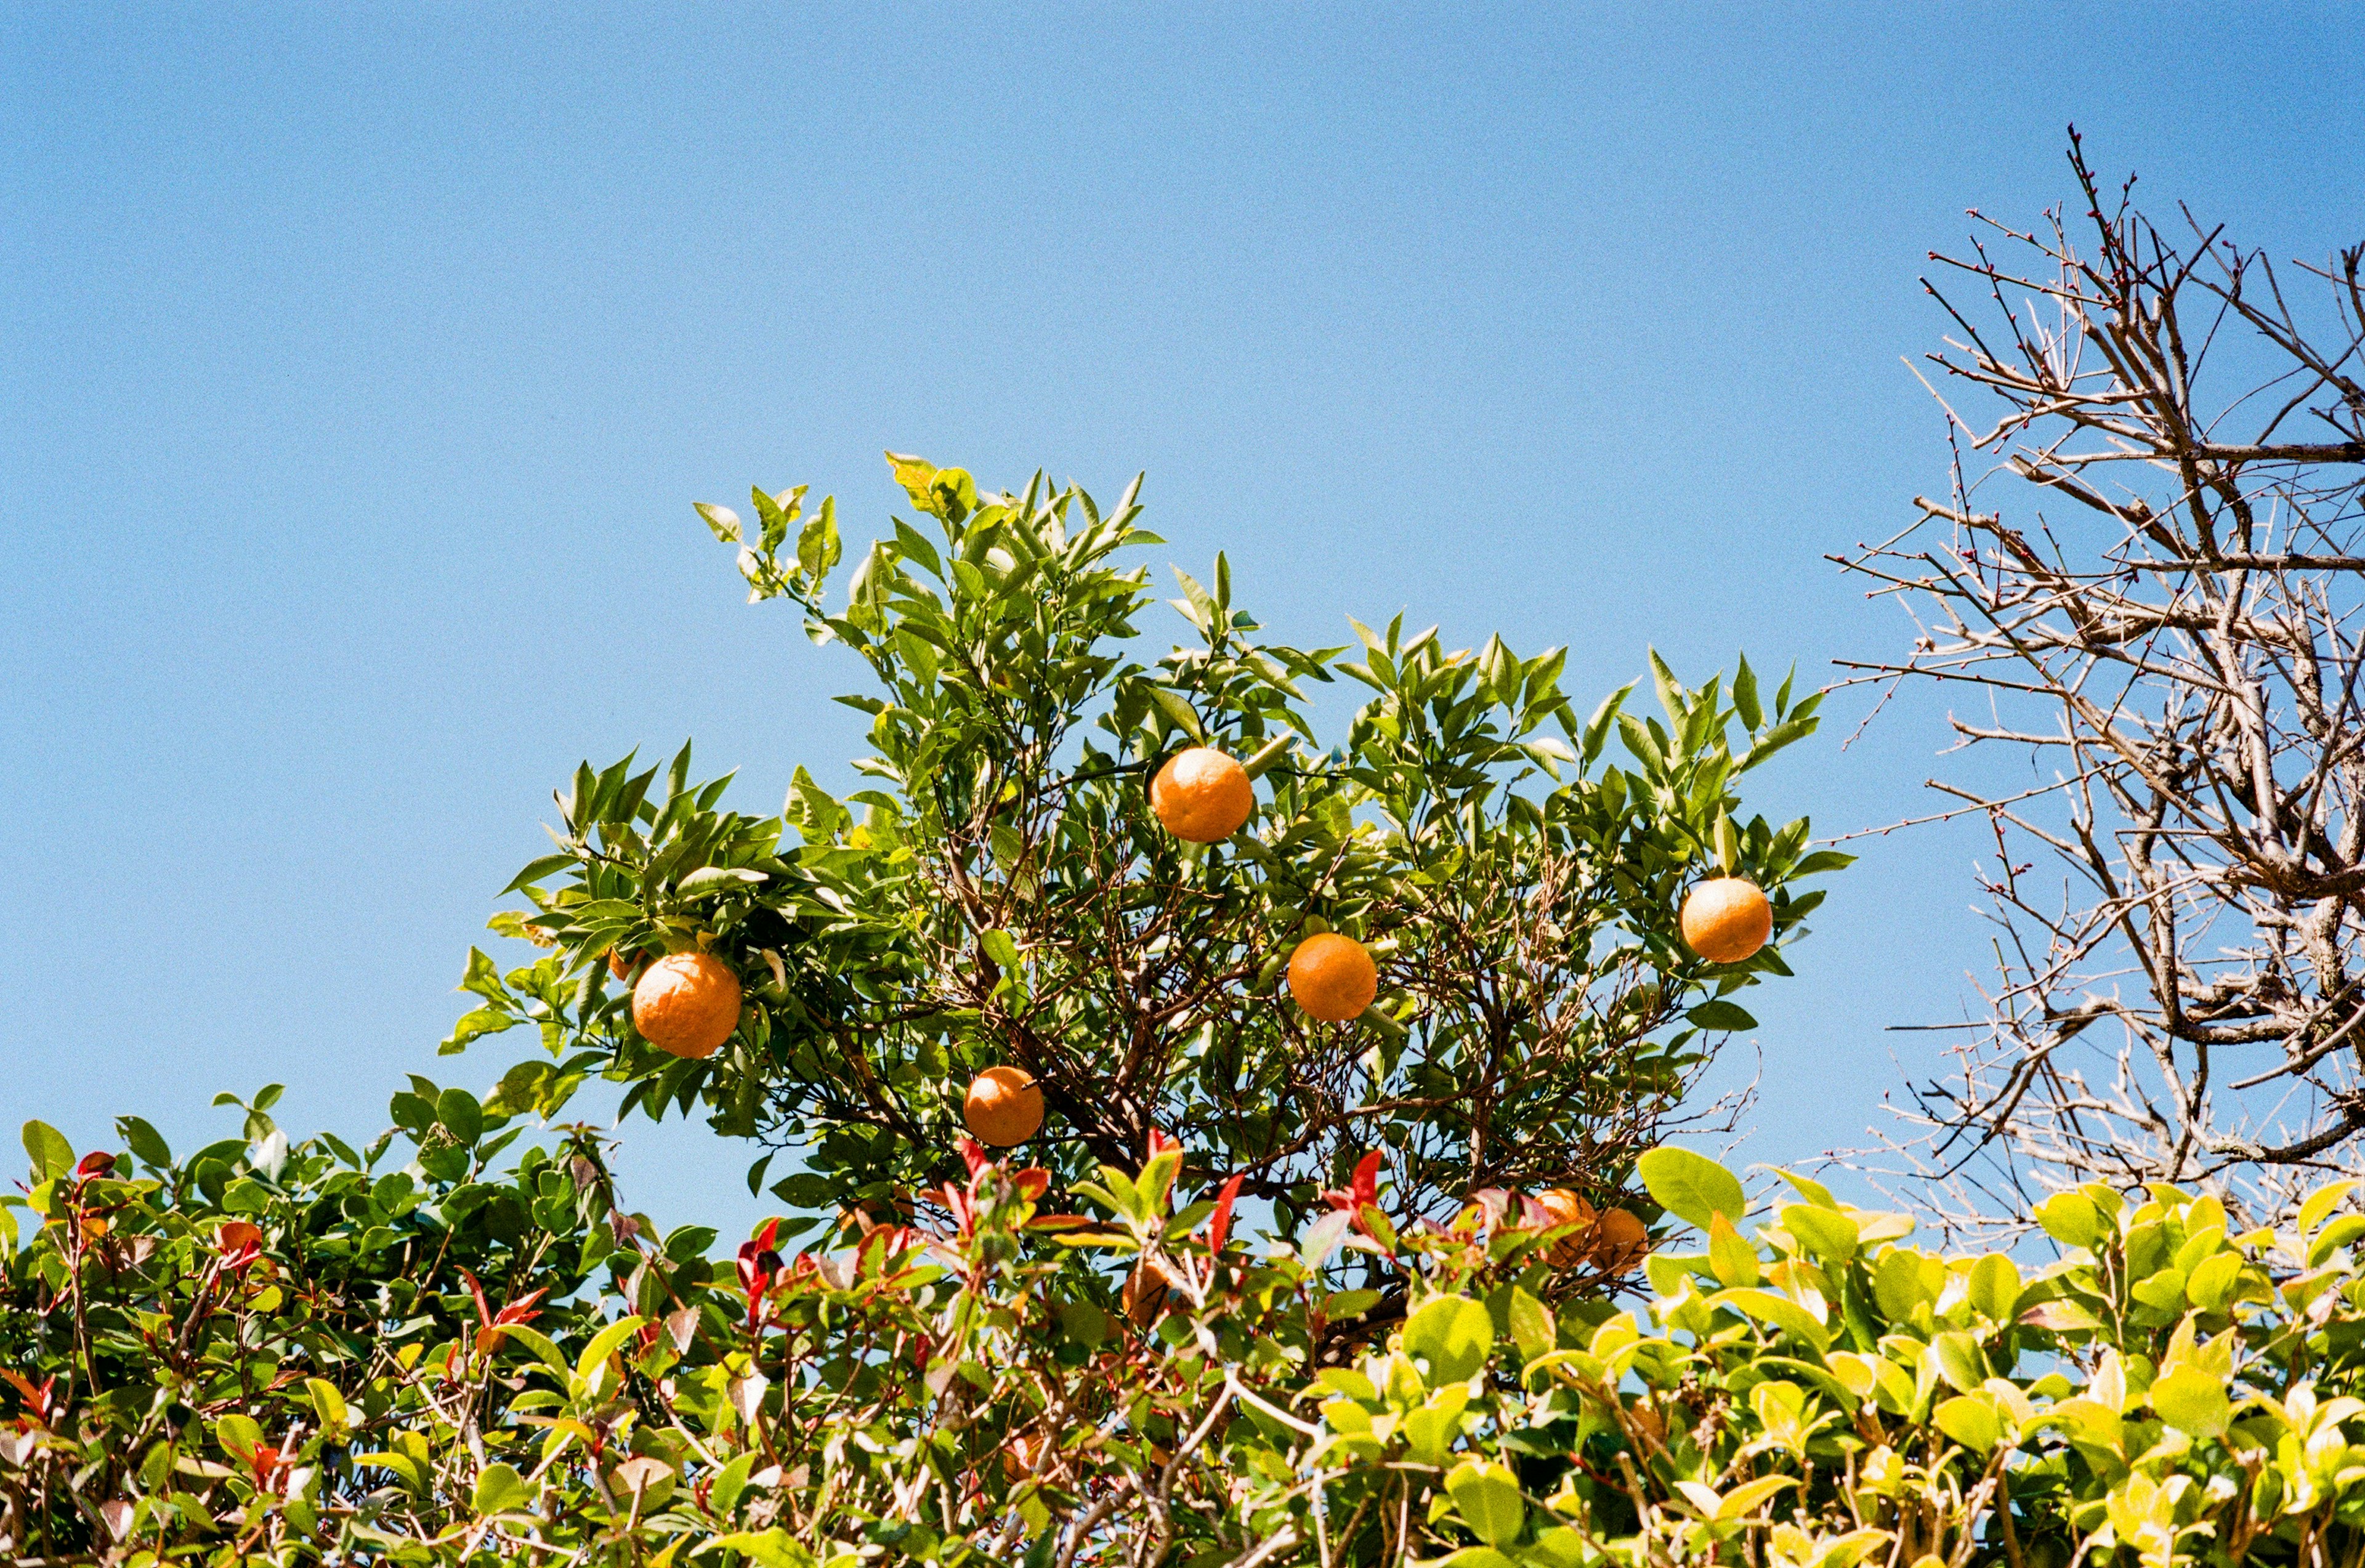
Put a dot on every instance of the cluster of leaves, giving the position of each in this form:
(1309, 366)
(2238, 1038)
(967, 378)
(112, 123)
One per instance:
(269, 1353)
(1000, 893)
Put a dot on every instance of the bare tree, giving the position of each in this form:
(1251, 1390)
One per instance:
(2169, 638)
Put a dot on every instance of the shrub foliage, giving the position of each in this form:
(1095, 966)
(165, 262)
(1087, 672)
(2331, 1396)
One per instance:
(268, 1354)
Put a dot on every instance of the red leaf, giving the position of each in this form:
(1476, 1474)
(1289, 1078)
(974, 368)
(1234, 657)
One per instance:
(484, 1313)
(1365, 1187)
(973, 1154)
(1219, 1224)
(1032, 1184)
(239, 1243)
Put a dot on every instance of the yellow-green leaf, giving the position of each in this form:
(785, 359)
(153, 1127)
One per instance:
(1487, 1497)
(1691, 1186)
(2192, 1401)
(1453, 1334)
(1971, 1420)
(1733, 1259)
(501, 1490)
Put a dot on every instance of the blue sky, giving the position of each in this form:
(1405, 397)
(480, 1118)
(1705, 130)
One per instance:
(360, 364)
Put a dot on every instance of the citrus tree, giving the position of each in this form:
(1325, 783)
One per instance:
(1118, 891)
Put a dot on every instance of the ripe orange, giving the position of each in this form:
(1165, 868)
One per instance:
(1565, 1207)
(1726, 919)
(1619, 1239)
(1004, 1106)
(620, 963)
(1332, 978)
(687, 1003)
(1201, 795)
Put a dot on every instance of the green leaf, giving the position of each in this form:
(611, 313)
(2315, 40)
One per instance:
(145, 1141)
(1732, 1260)
(238, 1435)
(544, 1349)
(1778, 1311)
(536, 870)
(460, 1116)
(1828, 1234)
(604, 1344)
(1775, 739)
(1000, 948)
(1670, 689)
(328, 1403)
(1532, 1328)
(1744, 696)
(484, 978)
(1468, 1557)
(1453, 1334)
(501, 1490)
(708, 879)
(2070, 1218)
(1971, 1420)
(1749, 1497)
(1958, 1360)
(1691, 1186)
(1178, 708)
(2192, 1401)
(1718, 1013)
(2211, 1284)
(722, 520)
(1487, 1497)
(2321, 1202)
(53, 1155)
(1995, 1287)
(724, 1496)
(769, 1548)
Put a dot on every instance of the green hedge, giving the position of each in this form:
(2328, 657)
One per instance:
(291, 1355)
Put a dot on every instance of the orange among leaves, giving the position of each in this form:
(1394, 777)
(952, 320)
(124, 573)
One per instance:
(1726, 919)
(687, 1003)
(1619, 1239)
(1004, 1106)
(1562, 1206)
(1332, 978)
(1202, 796)
(1144, 1297)
(1022, 1456)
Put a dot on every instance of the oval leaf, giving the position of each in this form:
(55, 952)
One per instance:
(1454, 1335)
(1691, 1186)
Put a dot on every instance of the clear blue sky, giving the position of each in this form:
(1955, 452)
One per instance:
(359, 364)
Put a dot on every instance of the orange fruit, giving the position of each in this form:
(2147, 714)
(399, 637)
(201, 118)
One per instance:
(687, 1003)
(1619, 1239)
(1202, 796)
(620, 963)
(1565, 1207)
(1021, 1455)
(1726, 919)
(1004, 1106)
(1332, 978)
(1144, 1297)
